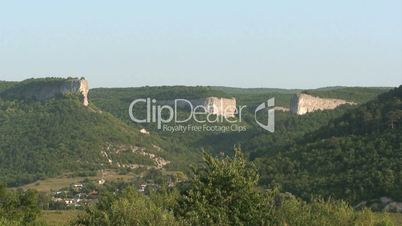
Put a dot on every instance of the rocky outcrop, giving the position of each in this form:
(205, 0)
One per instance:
(84, 89)
(283, 109)
(216, 105)
(68, 86)
(303, 103)
(50, 90)
(112, 151)
(46, 88)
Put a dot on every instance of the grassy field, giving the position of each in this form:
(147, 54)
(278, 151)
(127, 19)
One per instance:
(58, 217)
(63, 217)
(396, 218)
(53, 184)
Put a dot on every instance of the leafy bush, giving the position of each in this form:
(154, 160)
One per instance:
(18, 207)
(129, 208)
(222, 191)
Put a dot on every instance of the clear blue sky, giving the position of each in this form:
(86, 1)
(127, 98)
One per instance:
(287, 44)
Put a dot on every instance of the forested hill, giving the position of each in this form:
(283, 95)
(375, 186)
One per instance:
(58, 135)
(354, 94)
(28, 88)
(374, 117)
(356, 157)
(48, 138)
(6, 84)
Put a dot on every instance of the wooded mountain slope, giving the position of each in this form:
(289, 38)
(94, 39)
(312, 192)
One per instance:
(357, 156)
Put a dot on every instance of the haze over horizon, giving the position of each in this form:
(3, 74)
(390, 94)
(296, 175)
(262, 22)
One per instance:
(257, 44)
(241, 87)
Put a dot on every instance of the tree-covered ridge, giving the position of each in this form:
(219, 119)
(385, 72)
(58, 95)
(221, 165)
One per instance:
(354, 94)
(47, 138)
(117, 100)
(357, 156)
(222, 191)
(385, 112)
(36, 121)
(288, 127)
(6, 84)
(236, 91)
(28, 88)
(159, 92)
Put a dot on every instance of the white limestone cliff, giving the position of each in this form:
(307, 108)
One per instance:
(219, 106)
(215, 105)
(69, 86)
(303, 103)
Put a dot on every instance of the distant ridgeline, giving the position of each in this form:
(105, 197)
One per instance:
(301, 102)
(42, 136)
(214, 105)
(332, 97)
(6, 84)
(45, 88)
(356, 156)
(117, 100)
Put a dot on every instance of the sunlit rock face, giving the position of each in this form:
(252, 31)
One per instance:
(303, 103)
(84, 89)
(219, 106)
(68, 86)
(48, 90)
(225, 107)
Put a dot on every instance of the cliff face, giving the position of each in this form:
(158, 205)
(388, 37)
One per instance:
(68, 86)
(43, 89)
(215, 105)
(220, 106)
(303, 103)
(84, 89)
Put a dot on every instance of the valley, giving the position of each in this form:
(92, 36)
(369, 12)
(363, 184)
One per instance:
(338, 142)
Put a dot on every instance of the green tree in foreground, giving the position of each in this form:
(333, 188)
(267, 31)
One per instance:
(223, 191)
(18, 207)
(129, 208)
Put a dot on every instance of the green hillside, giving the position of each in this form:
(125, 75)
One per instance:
(357, 156)
(47, 138)
(355, 94)
(254, 96)
(6, 84)
(28, 88)
(288, 126)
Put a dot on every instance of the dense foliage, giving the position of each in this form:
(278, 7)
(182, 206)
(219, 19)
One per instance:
(129, 208)
(222, 191)
(351, 153)
(357, 156)
(46, 138)
(18, 207)
(355, 94)
(185, 147)
(6, 84)
(29, 88)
